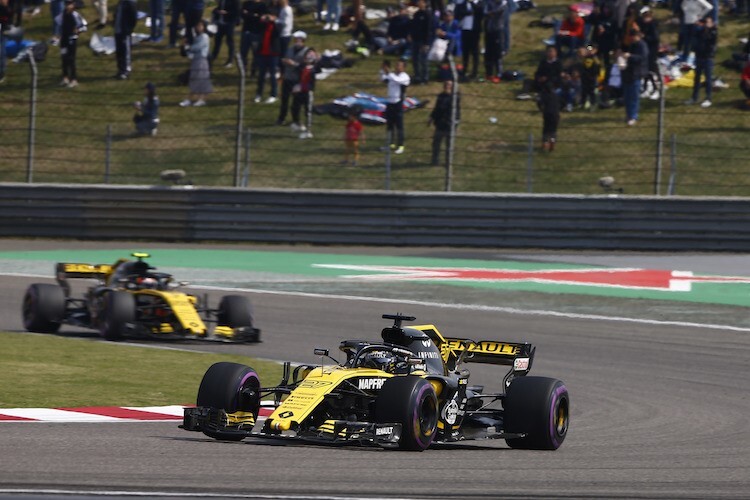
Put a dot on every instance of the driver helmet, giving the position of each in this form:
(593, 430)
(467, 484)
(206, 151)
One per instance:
(147, 282)
(379, 360)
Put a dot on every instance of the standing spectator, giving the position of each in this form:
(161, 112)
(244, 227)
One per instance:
(650, 29)
(156, 11)
(571, 34)
(56, 8)
(303, 94)
(549, 105)
(146, 117)
(420, 29)
(252, 29)
(5, 16)
(193, 14)
(397, 82)
(101, 10)
(286, 24)
(604, 37)
(706, 35)
(636, 59)
(494, 10)
(71, 24)
(450, 30)
(319, 10)
(549, 69)
(353, 135)
(442, 118)
(226, 15)
(333, 15)
(200, 73)
(179, 8)
(745, 84)
(469, 14)
(291, 65)
(268, 57)
(125, 19)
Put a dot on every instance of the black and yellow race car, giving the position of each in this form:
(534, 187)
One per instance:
(407, 391)
(131, 298)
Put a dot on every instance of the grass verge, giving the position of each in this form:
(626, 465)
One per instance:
(52, 371)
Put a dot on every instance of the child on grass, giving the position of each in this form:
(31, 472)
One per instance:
(354, 133)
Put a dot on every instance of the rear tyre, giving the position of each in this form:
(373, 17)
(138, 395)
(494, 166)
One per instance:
(118, 311)
(230, 387)
(235, 311)
(411, 402)
(43, 308)
(540, 408)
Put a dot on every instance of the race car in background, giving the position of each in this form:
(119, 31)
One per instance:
(131, 298)
(407, 392)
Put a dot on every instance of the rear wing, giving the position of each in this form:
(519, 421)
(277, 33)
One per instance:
(455, 351)
(66, 270)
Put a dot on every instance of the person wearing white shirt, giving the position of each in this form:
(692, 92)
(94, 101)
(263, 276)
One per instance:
(397, 82)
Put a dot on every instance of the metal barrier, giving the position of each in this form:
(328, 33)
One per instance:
(374, 217)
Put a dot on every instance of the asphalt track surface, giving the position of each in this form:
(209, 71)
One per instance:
(658, 411)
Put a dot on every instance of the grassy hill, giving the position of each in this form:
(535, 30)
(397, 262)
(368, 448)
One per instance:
(709, 149)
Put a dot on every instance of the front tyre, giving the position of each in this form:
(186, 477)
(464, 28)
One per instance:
(43, 308)
(540, 408)
(411, 402)
(231, 387)
(235, 311)
(118, 310)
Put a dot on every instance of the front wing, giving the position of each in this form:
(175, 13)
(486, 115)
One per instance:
(220, 425)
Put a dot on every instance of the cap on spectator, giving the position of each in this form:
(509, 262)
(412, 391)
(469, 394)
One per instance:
(299, 34)
(645, 9)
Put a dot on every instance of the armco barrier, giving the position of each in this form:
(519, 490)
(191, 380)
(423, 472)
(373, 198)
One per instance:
(374, 217)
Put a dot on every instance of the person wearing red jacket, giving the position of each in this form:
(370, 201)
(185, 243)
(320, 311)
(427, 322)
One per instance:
(571, 34)
(745, 83)
(269, 50)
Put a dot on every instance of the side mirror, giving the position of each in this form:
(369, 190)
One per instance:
(320, 352)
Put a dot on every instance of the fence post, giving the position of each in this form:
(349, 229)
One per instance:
(452, 137)
(240, 119)
(32, 120)
(530, 166)
(107, 153)
(246, 175)
(388, 160)
(659, 137)
(672, 165)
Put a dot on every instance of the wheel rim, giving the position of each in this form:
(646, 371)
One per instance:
(28, 307)
(427, 416)
(561, 416)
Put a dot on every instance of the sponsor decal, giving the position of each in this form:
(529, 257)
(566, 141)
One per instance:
(426, 343)
(483, 347)
(286, 414)
(520, 364)
(313, 384)
(632, 278)
(428, 355)
(369, 384)
(384, 431)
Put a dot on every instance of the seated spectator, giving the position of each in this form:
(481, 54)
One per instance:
(146, 118)
(397, 35)
(571, 34)
(588, 67)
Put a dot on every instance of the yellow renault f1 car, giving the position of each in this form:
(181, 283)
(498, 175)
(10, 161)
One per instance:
(131, 298)
(407, 392)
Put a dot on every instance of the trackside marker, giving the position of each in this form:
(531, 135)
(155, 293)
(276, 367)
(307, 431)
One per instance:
(172, 413)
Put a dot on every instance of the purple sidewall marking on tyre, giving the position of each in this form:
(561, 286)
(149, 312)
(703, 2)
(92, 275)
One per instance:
(553, 416)
(415, 418)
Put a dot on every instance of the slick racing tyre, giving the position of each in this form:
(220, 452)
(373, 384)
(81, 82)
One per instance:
(230, 387)
(43, 308)
(540, 408)
(118, 310)
(411, 402)
(235, 311)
